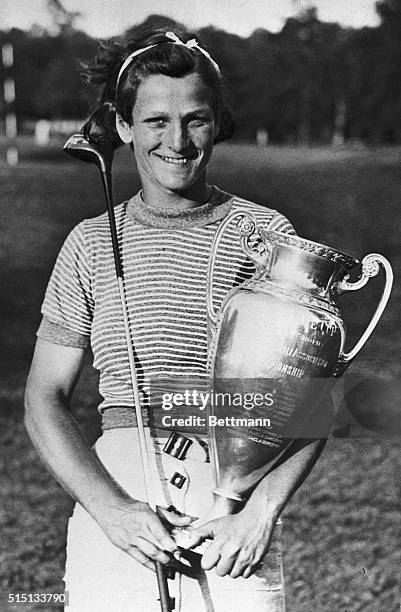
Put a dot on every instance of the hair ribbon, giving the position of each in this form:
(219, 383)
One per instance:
(191, 44)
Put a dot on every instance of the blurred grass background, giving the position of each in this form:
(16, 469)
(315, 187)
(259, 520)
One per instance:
(342, 536)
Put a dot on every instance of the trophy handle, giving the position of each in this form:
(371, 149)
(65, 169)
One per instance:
(246, 227)
(370, 267)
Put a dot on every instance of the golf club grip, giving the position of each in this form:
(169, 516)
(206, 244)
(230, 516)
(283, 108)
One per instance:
(166, 603)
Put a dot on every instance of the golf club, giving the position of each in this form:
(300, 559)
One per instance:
(99, 150)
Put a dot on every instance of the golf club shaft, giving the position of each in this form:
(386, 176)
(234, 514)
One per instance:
(165, 599)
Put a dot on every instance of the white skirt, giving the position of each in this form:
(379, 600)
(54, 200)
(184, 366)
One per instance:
(101, 577)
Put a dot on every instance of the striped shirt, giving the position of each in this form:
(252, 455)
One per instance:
(165, 256)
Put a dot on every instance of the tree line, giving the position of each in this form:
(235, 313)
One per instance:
(311, 82)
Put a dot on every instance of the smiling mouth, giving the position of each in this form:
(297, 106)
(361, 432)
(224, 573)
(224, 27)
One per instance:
(180, 161)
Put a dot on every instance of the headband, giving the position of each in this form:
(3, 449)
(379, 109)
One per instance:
(191, 44)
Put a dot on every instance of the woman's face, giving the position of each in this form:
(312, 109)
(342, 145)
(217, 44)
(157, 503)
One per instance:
(173, 130)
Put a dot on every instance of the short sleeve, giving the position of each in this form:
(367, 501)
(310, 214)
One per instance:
(68, 304)
(279, 223)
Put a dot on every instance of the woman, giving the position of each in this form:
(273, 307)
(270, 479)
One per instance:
(169, 105)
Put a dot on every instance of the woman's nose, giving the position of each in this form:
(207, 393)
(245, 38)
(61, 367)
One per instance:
(177, 137)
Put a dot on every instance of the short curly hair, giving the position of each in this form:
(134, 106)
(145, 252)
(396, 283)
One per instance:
(164, 58)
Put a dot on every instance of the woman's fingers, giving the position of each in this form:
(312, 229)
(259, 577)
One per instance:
(141, 558)
(211, 556)
(225, 564)
(151, 550)
(161, 536)
(249, 570)
(174, 518)
(185, 538)
(244, 568)
(136, 525)
(230, 558)
(205, 531)
(238, 569)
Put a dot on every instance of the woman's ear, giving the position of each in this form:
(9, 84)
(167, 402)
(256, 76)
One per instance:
(123, 129)
(217, 127)
(216, 132)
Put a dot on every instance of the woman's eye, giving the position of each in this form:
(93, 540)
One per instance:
(157, 121)
(198, 121)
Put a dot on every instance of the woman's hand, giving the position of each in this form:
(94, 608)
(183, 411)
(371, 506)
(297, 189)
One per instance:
(129, 524)
(136, 529)
(240, 541)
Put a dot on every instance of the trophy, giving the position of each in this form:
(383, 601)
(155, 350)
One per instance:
(280, 336)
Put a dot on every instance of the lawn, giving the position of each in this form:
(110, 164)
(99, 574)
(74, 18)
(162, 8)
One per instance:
(342, 536)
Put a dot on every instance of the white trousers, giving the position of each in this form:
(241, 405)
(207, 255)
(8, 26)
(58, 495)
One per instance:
(101, 577)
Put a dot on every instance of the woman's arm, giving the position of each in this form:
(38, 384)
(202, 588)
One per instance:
(240, 541)
(129, 524)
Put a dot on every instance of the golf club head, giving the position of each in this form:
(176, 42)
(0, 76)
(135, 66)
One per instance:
(98, 139)
(81, 148)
